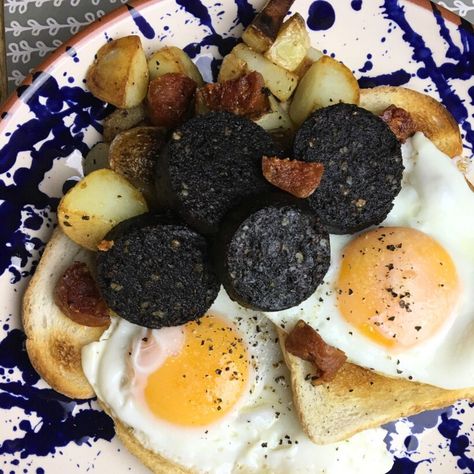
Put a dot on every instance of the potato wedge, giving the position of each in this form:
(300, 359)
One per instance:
(96, 204)
(232, 67)
(97, 158)
(312, 55)
(326, 82)
(263, 30)
(281, 82)
(133, 155)
(122, 119)
(119, 74)
(173, 59)
(291, 44)
(277, 120)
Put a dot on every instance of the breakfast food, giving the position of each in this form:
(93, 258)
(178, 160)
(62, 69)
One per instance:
(429, 115)
(94, 206)
(230, 393)
(209, 165)
(271, 255)
(54, 341)
(132, 154)
(182, 372)
(155, 272)
(119, 74)
(362, 166)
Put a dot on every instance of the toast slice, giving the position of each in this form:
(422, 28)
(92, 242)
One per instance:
(357, 399)
(430, 117)
(153, 461)
(54, 342)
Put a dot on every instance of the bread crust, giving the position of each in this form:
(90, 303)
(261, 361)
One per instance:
(153, 461)
(357, 399)
(54, 341)
(430, 117)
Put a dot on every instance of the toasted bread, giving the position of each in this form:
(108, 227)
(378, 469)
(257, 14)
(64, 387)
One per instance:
(54, 342)
(153, 461)
(357, 399)
(430, 117)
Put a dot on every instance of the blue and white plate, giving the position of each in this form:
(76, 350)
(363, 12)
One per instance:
(51, 121)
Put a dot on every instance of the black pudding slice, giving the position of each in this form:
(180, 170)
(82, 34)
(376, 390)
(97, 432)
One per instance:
(273, 256)
(210, 165)
(157, 272)
(362, 166)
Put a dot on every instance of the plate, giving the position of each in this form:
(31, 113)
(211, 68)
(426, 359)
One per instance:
(51, 121)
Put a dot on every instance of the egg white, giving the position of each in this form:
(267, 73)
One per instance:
(261, 434)
(435, 199)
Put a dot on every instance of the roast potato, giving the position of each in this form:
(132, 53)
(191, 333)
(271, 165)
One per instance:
(281, 82)
(291, 44)
(312, 55)
(96, 204)
(232, 67)
(133, 154)
(173, 59)
(277, 119)
(119, 73)
(326, 82)
(263, 30)
(97, 158)
(122, 119)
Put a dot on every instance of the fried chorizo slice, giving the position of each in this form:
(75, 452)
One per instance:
(304, 342)
(169, 98)
(245, 96)
(399, 121)
(298, 178)
(78, 297)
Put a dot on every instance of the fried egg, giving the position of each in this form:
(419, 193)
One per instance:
(214, 396)
(397, 298)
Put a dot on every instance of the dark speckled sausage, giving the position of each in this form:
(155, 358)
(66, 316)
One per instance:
(156, 272)
(272, 253)
(362, 166)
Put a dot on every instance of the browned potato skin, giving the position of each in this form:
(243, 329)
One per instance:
(263, 30)
(119, 74)
(133, 154)
(232, 67)
(122, 119)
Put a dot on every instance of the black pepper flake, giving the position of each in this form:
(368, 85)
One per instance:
(264, 445)
(218, 371)
(417, 328)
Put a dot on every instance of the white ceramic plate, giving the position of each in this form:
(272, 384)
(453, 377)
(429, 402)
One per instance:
(52, 121)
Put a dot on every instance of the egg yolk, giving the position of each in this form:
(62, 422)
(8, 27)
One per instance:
(397, 286)
(205, 380)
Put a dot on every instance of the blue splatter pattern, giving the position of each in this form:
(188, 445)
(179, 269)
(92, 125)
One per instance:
(62, 118)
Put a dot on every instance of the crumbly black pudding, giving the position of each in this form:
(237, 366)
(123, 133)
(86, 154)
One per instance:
(273, 256)
(157, 273)
(362, 166)
(209, 165)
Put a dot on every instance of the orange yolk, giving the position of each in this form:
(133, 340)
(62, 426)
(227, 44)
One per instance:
(205, 380)
(397, 286)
